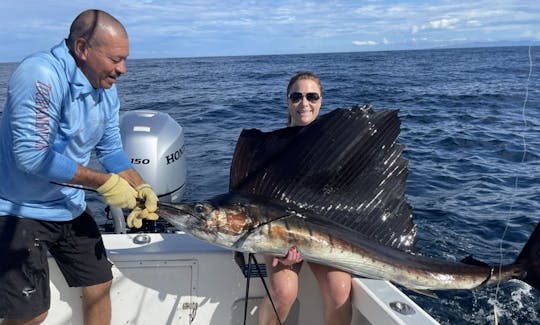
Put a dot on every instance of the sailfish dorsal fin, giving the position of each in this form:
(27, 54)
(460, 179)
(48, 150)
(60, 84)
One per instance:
(345, 167)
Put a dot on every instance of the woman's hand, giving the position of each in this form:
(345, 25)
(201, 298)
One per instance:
(293, 256)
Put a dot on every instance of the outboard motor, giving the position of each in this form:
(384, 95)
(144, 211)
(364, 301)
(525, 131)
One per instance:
(155, 144)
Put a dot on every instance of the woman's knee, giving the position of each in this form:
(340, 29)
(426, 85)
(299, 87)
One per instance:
(284, 285)
(335, 285)
(339, 291)
(284, 296)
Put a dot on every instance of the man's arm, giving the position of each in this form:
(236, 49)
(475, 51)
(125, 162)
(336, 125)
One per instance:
(94, 179)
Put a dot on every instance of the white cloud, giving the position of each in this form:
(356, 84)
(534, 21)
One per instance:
(445, 23)
(474, 23)
(365, 43)
(535, 35)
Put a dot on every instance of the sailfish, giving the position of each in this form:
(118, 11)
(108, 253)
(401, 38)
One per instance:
(335, 189)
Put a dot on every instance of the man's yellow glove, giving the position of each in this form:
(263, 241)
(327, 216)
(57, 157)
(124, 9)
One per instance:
(117, 192)
(146, 195)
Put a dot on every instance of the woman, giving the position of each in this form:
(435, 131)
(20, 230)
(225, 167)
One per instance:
(304, 97)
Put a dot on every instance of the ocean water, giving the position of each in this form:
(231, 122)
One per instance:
(470, 126)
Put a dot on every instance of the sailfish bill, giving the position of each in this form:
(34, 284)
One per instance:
(336, 190)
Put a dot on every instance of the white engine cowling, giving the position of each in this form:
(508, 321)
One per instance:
(155, 144)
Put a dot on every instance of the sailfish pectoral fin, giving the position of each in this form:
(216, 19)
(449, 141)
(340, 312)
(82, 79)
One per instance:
(470, 260)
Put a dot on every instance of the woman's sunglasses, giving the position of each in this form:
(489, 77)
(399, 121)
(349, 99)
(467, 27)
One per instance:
(311, 97)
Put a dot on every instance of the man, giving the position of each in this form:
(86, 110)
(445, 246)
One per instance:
(61, 106)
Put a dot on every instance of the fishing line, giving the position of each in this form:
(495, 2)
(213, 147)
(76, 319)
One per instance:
(89, 189)
(253, 261)
(516, 180)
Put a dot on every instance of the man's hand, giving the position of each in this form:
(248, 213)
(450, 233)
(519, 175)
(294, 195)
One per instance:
(149, 206)
(117, 192)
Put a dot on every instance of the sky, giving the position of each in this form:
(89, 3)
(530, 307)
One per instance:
(167, 28)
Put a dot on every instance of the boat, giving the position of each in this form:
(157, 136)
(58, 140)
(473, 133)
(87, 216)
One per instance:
(165, 276)
(172, 278)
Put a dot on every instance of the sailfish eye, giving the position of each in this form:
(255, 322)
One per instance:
(199, 208)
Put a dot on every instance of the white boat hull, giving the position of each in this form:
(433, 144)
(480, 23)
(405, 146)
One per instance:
(175, 279)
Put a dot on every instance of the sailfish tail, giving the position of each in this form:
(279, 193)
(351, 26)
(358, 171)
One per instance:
(529, 258)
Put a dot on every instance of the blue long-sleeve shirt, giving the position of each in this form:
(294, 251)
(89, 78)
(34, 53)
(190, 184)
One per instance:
(53, 120)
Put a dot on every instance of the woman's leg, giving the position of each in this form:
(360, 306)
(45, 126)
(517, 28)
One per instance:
(335, 288)
(283, 289)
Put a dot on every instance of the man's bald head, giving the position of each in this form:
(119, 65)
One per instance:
(91, 25)
(99, 44)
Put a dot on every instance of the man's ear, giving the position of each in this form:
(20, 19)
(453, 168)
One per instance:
(80, 48)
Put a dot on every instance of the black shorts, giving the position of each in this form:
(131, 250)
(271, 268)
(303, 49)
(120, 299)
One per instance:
(76, 245)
